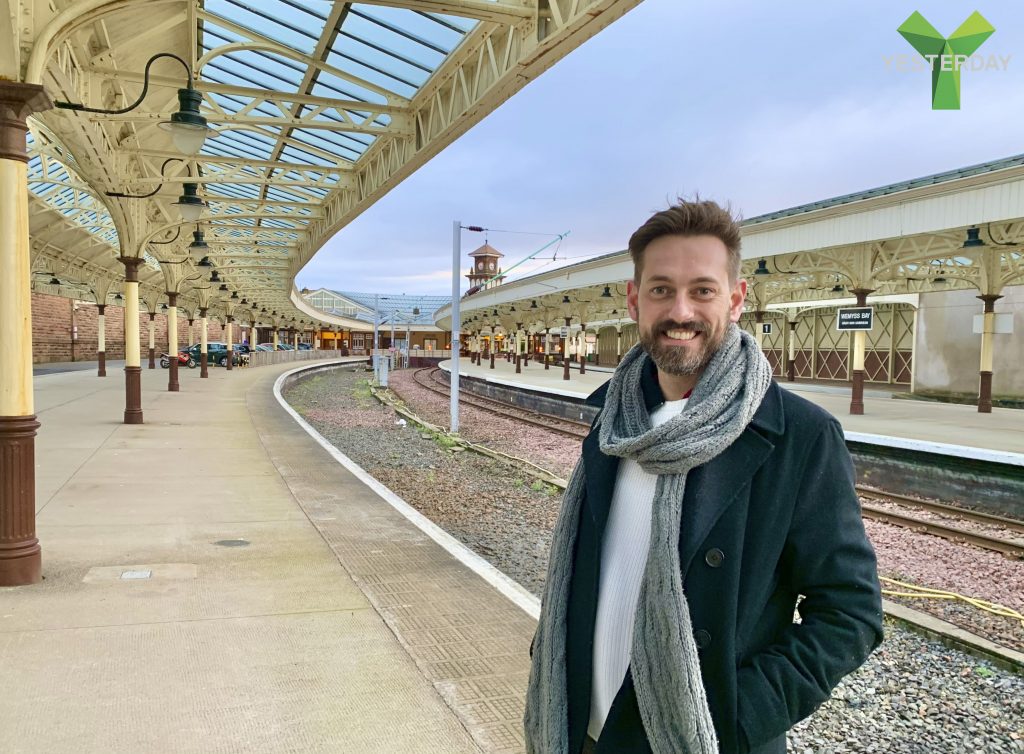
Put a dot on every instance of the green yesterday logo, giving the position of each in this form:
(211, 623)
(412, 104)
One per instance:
(946, 56)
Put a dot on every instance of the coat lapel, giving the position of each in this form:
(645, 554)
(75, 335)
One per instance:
(713, 487)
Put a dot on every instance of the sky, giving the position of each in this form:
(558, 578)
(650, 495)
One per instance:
(761, 105)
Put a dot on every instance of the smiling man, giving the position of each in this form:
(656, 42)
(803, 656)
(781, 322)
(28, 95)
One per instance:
(706, 503)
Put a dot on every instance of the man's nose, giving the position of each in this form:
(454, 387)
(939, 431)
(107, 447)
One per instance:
(682, 308)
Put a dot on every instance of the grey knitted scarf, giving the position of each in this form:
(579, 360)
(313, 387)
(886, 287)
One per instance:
(666, 671)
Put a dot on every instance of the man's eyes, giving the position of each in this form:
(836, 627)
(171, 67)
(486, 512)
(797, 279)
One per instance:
(662, 290)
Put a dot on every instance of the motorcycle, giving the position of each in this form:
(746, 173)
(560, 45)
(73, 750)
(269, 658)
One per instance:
(185, 359)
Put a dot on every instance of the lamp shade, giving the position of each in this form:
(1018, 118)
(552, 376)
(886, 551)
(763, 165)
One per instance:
(188, 129)
(198, 248)
(189, 204)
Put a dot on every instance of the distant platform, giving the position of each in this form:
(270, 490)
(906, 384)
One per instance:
(927, 427)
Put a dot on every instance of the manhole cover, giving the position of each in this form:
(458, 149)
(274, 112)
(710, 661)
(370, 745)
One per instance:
(232, 543)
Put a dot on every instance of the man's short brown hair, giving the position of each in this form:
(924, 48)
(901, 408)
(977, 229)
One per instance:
(689, 218)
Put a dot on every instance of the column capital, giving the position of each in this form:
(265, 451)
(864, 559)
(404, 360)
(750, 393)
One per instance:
(202, 312)
(172, 298)
(152, 316)
(101, 308)
(230, 318)
(131, 268)
(862, 295)
(17, 102)
(989, 300)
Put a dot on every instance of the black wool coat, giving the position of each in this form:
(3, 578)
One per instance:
(773, 517)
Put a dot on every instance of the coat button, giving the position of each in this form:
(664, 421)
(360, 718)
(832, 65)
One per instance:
(714, 557)
(702, 638)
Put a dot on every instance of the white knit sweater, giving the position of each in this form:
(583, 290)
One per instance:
(627, 538)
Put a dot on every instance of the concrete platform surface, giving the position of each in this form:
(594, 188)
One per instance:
(216, 582)
(936, 427)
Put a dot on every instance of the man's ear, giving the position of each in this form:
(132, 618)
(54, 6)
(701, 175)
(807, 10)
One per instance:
(737, 298)
(632, 296)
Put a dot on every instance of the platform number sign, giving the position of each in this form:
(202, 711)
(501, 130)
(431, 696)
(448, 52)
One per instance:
(766, 328)
(855, 318)
(564, 332)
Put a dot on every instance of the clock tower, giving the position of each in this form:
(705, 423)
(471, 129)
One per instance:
(485, 266)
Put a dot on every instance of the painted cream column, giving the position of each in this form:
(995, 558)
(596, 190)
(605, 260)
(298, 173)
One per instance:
(618, 344)
(987, 351)
(547, 348)
(172, 341)
(227, 339)
(758, 334)
(189, 334)
(20, 554)
(565, 350)
(295, 340)
(101, 340)
(581, 349)
(152, 340)
(791, 366)
(275, 337)
(204, 331)
(132, 356)
(859, 343)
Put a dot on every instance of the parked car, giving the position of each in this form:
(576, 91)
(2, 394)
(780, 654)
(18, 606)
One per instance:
(305, 347)
(265, 347)
(216, 353)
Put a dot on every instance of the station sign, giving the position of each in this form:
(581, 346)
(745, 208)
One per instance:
(766, 328)
(855, 318)
(563, 331)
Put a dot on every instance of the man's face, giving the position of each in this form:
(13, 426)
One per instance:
(684, 302)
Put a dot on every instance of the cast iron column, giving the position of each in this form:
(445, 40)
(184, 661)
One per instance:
(565, 350)
(152, 340)
(172, 342)
(204, 330)
(857, 391)
(101, 340)
(227, 339)
(132, 355)
(20, 557)
(791, 366)
(583, 348)
(985, 373)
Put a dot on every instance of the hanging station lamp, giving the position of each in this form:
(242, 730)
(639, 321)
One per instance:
(187, 127)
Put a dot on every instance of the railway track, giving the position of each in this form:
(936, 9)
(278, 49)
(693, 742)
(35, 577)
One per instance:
(551, 423)
(947, 530)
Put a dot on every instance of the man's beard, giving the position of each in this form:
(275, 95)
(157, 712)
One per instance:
(682, 360)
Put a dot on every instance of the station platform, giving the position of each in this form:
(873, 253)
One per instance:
(940, 428)
(214, 580)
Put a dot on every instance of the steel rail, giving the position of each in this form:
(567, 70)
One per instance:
(945, 509)
(953, 533)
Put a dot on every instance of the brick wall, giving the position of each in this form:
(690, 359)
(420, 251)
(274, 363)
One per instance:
(52, 318)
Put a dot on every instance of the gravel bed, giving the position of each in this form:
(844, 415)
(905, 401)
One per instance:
(912, 696)
(937, 563)
(549, 450)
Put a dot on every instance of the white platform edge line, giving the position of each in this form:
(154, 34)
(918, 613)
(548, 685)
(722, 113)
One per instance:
(939, 448)
(507, 586)
(446, 366)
